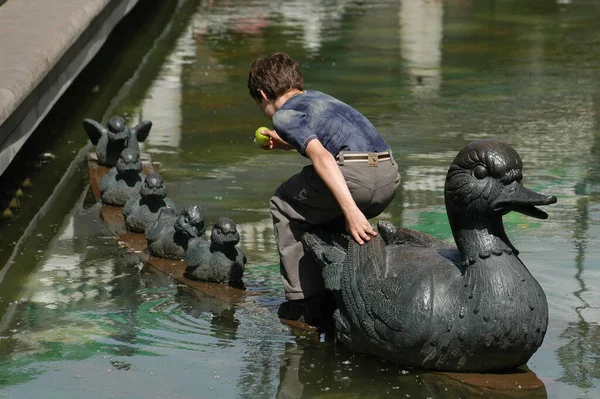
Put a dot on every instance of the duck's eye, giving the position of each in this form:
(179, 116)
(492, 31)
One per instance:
(479, 172)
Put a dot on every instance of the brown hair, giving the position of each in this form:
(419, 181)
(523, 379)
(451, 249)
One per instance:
(275, 74)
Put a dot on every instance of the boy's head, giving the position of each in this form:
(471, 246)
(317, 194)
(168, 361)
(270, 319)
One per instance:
(275, 75)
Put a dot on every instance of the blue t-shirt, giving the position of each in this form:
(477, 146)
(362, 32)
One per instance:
(338, 126)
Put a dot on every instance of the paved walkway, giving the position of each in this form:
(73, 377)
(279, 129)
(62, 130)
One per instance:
(44, 44)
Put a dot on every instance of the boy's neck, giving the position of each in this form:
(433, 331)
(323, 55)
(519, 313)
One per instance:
(286, 96)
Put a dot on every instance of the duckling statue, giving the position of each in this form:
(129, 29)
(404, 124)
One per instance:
(168, 236)
(422, 303)
(124, 180)
(113, 139)
(217, 261)
(143, 209)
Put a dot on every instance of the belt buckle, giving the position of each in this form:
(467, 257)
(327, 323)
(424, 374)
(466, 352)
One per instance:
(373, 158)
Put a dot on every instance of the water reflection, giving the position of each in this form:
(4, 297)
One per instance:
(76, 277)
(163, 103)
(580, 356)
(315, 20)
(313, 17)
(223, 322)
(257, 236)
(311, 369)
(421, 34)
(71, 310)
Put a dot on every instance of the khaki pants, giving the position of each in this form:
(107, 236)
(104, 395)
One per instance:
(304, 201)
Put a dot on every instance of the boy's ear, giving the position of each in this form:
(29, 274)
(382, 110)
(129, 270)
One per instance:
(263, 95)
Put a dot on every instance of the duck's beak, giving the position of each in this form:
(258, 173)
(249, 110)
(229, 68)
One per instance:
(232, 238)
(158, 192)
(132, 167)
(515, 197)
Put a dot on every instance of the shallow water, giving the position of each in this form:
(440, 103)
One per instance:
(79, 319)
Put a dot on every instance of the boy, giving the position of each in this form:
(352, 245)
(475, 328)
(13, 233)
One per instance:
(352, 175)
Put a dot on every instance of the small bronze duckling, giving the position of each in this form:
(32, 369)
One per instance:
(113, 139)
(124, 180)
(217, 261)
(143, 209)
(168, 236)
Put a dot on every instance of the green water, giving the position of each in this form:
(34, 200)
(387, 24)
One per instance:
(79, 319)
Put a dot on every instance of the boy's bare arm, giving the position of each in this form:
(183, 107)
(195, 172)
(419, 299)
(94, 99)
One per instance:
(327, 168)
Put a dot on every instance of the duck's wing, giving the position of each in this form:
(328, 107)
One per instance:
(198, 253)
(155, 231)
(164, 223)
(107, 179)
(405, 236)
(94, 130)
(386, 312)
(142, 130)
(390, 289)
(330, 255)
(374, 299)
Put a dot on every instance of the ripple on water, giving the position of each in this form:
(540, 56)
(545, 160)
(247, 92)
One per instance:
(171, 319)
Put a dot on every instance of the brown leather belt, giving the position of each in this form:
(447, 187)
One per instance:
(372, 158)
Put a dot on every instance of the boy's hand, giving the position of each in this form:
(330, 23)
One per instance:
(276, 142)
(359, 227)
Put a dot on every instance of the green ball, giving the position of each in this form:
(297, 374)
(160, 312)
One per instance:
(260, 138)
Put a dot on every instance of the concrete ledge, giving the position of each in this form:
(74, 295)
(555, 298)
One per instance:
(44, 45)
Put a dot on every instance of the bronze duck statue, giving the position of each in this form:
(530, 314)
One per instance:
(143, 209)
(218, 260)
(168, 236)
(110, 141)
(422, 303)
(124, 180)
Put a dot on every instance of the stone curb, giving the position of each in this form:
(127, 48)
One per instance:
(44, 45)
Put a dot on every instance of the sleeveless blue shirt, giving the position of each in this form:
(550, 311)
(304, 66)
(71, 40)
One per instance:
(338, 126)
